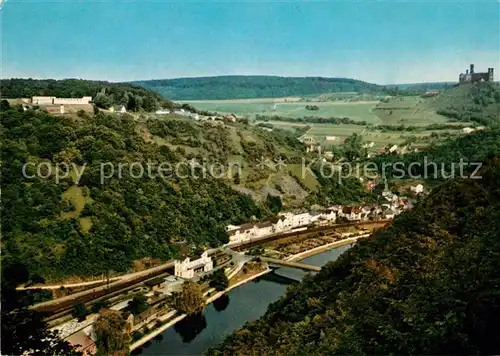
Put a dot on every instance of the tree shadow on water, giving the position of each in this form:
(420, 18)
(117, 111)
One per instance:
(221, 303)
(190, 327)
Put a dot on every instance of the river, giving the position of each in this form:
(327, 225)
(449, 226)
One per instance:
(193, 336)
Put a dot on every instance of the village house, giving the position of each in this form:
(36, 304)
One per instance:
(187, 268)
(118, 108)
(418, 189)
(156, 283)
(84, 341)
(230, 118)
(351, 213)
(389, 214)
(393, 148)
(365, 212)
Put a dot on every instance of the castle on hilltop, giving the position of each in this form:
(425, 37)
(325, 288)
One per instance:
(472, 77)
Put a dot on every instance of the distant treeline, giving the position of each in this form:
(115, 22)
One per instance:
(312, 119)
(247, 87)
(404, 128)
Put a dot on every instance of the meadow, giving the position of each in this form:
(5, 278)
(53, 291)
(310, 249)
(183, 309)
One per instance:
(360, 111)
(408, 110)
(320, 132)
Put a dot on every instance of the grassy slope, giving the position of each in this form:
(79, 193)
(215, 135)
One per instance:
(469, 101)
(258, 181)
(360, 111)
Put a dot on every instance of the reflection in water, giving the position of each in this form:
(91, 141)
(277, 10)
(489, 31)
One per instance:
(278, 278)
(158, 338)
(190, 327)
(221, 303)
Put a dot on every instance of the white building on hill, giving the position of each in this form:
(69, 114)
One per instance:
(52, 100)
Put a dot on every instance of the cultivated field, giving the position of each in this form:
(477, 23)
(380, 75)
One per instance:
(290, 107)
(409, 111)
(320, 132)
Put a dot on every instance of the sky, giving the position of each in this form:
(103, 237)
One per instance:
(383, 42)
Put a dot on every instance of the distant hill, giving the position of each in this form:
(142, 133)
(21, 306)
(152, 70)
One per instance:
(249, 87)
(104, 94)
(478, 103)
(471, 102)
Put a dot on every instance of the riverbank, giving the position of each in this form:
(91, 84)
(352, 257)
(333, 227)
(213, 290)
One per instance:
(210, 300)
(314, 251)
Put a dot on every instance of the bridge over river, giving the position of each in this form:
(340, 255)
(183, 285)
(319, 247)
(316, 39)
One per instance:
(282, 263)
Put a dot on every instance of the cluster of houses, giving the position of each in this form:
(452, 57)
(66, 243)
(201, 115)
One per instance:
(196, 116)
(392, 206)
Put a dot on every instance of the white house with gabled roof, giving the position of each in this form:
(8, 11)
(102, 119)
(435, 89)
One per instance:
(187, 268)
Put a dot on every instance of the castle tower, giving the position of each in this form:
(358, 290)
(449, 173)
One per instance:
(490, 75)
(472, 69)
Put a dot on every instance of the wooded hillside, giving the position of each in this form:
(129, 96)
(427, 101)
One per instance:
(63, 228)
(247, 87)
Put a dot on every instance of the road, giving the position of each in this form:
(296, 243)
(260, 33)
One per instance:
(69, 285)
(85, 296)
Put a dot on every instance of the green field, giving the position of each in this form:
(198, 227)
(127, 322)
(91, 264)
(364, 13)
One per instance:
(410, 111)
(320, 132)
(401, 110)
(361, 111)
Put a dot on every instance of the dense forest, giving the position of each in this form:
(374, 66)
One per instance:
(428, 284)
(91, 226)
(242, 87)
(104, 94)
